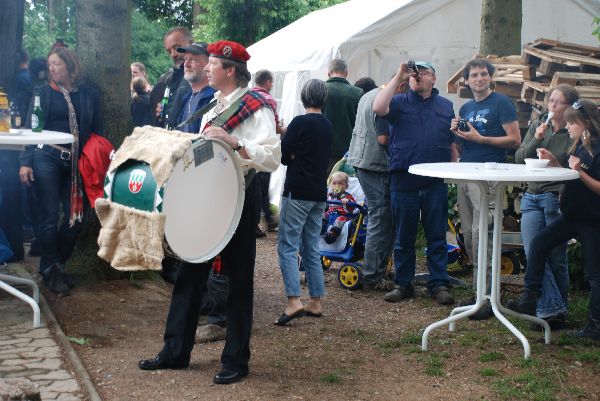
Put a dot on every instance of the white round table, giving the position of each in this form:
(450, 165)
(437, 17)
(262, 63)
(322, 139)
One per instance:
(504, 175)
(18, 141)
(26, 137)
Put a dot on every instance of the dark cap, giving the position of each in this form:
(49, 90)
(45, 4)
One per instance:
(195, 48)
(229, 50)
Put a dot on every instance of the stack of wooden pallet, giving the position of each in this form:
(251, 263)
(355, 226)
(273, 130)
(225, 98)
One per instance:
(529, 78)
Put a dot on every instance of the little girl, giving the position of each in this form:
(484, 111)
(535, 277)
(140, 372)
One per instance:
(343, 212)
(580, 217)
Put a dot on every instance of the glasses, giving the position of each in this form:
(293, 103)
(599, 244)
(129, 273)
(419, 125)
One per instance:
(425, 72)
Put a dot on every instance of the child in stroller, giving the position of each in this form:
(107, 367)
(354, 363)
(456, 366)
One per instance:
(336, 215)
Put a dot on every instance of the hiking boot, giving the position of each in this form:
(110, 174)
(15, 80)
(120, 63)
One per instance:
(399, 293)
(382, 285)
(260, 233)
(588, 332)
(526, 303)
(209, 333)
(53, 279)
(556, 322)
(442, 295)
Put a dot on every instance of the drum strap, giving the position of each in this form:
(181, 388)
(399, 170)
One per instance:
(198, 114)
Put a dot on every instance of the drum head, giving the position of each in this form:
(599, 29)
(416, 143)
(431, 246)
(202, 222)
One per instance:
(203, 201)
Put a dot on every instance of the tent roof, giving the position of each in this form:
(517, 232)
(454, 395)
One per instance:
(310, 42)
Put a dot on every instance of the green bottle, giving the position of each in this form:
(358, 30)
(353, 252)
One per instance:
(37, 117)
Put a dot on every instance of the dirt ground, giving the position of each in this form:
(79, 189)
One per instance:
(362, 349)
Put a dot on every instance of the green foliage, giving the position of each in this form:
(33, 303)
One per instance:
(147, 46)
(248, 22)
(596, 31)
(332, 378)
(575, 259)
(488, 372)
(37, 39)
(170, 12)
(491, 356)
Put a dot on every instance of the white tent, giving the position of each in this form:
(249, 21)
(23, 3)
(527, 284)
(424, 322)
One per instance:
(374, 36)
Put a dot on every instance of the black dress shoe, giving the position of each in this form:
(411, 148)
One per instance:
(228, 376)
(159, 363)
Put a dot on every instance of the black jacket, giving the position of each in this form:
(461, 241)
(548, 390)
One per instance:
(174, 79)
(89, 119)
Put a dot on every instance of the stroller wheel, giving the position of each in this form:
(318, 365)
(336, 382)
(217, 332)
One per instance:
(325, 263)
(350, 276)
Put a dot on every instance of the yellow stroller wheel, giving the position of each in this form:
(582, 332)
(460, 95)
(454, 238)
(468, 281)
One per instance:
(350, 275)
(325, 262)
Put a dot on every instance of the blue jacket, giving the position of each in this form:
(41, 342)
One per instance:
(419, 130)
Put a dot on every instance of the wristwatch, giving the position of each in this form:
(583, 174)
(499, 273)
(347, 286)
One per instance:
(240, 145)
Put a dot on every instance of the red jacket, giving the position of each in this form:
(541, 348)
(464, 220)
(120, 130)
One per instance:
(93, 165)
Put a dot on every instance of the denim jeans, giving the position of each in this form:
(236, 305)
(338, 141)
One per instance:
(53, 189)
(299, 230)
(431, 204)
(380, 228)
(540, 211)
(558, 232)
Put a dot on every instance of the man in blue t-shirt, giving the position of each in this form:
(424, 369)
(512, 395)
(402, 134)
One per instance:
(493, 128)
(419, 124)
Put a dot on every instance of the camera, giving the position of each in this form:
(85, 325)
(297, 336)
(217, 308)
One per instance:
(463, 126)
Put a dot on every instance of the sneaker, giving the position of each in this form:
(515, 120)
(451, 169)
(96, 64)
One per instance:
(209, 333)
(586, 333)
(260, 233)
(526, 303)
(382, 285)
(442, 295)
(399, 293)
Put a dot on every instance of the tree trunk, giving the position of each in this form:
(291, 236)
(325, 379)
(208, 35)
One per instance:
(57, 23)
(501, 27)
(104, 47)
(11, 32)
(197, 10)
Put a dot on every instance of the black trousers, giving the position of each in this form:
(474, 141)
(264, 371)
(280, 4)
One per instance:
(238, 257)
(11, 218)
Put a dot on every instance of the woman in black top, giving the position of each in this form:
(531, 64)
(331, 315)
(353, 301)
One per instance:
(580, 207)
(73, 107)
(141, 111)
(305, 150)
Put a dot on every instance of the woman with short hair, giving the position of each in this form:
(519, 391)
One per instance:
(305, 149)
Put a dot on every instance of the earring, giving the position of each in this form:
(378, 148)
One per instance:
(585, 135)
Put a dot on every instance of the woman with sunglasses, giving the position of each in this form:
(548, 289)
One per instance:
(540, 206)
(580, 218)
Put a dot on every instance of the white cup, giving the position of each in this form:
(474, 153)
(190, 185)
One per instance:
(491, 165)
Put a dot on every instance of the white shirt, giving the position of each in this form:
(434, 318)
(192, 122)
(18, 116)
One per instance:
(257, 133)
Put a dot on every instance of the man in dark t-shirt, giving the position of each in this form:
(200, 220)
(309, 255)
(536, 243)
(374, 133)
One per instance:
(493, 128)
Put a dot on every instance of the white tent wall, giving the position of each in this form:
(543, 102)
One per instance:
(374, 36)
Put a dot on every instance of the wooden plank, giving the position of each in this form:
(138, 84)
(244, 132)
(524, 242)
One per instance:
(565, 46)
(575, 78)
(529, 73)
(549, 68)
(510, 90)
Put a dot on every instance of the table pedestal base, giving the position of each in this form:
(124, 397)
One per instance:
(32, 301)
(463, 312)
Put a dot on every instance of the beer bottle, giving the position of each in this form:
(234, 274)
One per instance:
(164, 102)
(15, 116)
(37, 117)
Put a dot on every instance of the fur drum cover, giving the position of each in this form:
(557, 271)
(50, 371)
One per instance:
(130, 239)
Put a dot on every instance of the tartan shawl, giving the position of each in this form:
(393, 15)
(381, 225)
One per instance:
(251, 102)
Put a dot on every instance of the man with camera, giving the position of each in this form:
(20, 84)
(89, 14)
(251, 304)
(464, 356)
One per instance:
(419, 123)
(487, 127)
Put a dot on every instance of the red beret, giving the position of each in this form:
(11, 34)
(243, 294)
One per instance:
(229, 50)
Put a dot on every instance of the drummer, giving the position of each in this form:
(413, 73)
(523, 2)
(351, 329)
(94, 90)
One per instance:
(245, 121)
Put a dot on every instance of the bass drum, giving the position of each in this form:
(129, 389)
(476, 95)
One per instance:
(203, 201)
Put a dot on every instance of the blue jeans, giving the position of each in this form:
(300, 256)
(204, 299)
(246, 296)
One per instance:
(380, 229)
(299, 230)
(539, 211)
(431, 205)
(53, 189)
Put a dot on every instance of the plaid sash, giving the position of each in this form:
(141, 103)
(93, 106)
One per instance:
(248, 104)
